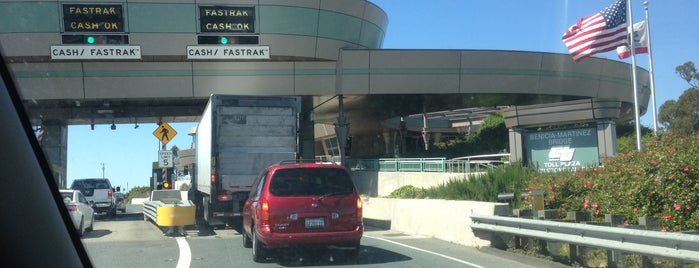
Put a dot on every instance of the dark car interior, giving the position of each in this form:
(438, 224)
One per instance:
(36, 227)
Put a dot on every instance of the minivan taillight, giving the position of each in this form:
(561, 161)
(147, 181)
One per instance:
(264, 213)
(359, 209)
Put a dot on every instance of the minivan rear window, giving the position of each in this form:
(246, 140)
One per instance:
(310, 182)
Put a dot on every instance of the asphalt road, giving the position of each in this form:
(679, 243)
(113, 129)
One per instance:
(127, 241)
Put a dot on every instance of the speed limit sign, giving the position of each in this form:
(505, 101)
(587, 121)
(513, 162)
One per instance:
(165, 159)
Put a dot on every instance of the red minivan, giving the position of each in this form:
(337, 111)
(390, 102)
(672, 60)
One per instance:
(302, 204)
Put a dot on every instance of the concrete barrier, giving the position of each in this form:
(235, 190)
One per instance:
(448, 220)
(376, 184)
(138, 201)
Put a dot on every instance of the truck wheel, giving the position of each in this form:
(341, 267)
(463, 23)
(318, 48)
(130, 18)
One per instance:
(205, 204)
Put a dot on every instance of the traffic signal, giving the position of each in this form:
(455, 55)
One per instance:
(95, 39)
(166, 185)
(228, 39)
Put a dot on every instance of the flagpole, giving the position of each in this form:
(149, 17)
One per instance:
(650, 71)
(629, 30)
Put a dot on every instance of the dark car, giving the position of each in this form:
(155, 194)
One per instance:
(99, 192)
(303, 205)
(120, 202)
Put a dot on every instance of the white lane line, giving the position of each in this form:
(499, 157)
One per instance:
(426, 251)
(185, 254)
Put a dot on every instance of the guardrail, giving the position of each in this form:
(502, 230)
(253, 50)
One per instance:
(651, 243)
(464, 164)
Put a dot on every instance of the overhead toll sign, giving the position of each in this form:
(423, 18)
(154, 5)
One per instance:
(227, 33)
(227, 52)
(91, 32)
(95, 52)
(93, 18)
(164, 132)
(226, 19)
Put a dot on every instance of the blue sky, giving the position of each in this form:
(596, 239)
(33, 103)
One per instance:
(535, 25)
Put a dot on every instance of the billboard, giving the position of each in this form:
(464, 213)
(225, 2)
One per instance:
(560, 150)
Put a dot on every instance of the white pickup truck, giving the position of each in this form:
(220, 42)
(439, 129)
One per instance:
(99, 193)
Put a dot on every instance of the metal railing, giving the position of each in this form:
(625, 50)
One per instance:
(652, 243)
(475, 163)
(464, 164)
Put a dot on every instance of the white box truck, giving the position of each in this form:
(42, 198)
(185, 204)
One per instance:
(236, 139)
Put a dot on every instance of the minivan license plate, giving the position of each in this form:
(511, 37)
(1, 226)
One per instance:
(315, 223)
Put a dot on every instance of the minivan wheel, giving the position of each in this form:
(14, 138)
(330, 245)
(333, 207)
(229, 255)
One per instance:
(353, 254)
(247, 242)
(258, 251)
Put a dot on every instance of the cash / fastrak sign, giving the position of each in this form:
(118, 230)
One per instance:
(228, 52)
(99, 52)
(560, 150)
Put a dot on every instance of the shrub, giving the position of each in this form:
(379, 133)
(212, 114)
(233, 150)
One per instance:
(407, 192)
(660, 181)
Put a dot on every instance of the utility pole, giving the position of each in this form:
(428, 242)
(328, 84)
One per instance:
(102, 169)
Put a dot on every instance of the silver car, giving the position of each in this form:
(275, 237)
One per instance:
(80, 210)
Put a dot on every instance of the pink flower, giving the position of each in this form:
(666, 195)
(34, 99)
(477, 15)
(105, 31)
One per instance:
(595, 205)
(597, 212)
(667, 216)
(685, 169)
(635, 209)
(677, 206)
(663, 229)
(587, 184)
(586, 203)
(563, 205)
(653, 162)
(626, 223)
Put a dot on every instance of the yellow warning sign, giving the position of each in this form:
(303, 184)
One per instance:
(164, 132)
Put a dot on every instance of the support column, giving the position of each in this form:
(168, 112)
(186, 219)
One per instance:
(425, 132)
(403, 132)
(388, 135)
(341, 130)
(516, 144)
(306, 129)
(54, 143)
(606, 139)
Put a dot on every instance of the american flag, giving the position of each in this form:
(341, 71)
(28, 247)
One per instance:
(597, 33)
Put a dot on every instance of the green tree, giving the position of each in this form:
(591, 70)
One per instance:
(682, 116)
(490, 138)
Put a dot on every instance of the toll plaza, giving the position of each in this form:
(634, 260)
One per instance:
(87, 63)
